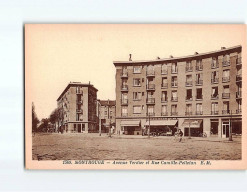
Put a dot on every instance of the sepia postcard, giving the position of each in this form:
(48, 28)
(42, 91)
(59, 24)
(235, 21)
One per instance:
(135, 96)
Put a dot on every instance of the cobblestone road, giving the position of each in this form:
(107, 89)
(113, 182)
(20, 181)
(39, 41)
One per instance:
(93, 147)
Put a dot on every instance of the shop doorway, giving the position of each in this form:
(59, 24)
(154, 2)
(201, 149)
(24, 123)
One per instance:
(225, 129)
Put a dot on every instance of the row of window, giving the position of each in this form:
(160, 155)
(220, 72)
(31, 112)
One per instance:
(174, 111)
(188, 67)
(137, 96)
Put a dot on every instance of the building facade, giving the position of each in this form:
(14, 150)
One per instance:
(200, 94)
(107, 113)
(78, 107)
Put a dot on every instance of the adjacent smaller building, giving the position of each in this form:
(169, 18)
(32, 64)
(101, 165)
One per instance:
(78, 104)
(106, 114)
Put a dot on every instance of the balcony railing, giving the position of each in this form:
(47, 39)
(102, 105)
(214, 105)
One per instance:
(225, 111)
(79, 110)
(189, 68)
(164, 113)
(199, 67)
(164, 99)
(79, 92)
(239, 111)
(199, 97)
(150, 114)
(190, 98)
(174, 99)
(188, 113)
(124, 87)
(214, 97)
(199, 82)
(215, 112)
(174, 84)
(226, 63)
(225, 79)
(150, 86)
(124, 74)
(150, 100)
(124, 101)
(79, 101)
(239, 78)
(124, 114)
(164, 85)
(225, 95)
(239, 94)
(174, 70)
(150, 73)
(214, 65)
(215, 80)
(239, 61)
(188, 83)
(174, 113)
(199, 112)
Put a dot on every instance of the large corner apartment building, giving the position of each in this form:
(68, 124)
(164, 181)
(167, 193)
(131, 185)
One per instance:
(200, 92)
(78, 103)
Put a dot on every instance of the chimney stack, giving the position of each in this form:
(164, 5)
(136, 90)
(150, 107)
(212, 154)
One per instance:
(158, 57)
(171, 56)
(223, 48)
(130, 58)
(195, 53)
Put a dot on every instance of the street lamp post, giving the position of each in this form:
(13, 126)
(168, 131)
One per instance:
(110, 127)
(189, 126)
(148, 125)
(230, 129)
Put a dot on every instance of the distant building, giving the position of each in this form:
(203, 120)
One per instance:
(107, 113)
(200, 92)
(78, 103)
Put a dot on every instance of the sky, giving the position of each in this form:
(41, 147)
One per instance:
(56, 54)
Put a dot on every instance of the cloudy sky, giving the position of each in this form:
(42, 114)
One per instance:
(58, 54)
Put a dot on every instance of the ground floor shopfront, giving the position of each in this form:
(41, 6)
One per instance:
(80, 127)
(220, 126)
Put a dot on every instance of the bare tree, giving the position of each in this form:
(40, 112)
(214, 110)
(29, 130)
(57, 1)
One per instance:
(35, 119)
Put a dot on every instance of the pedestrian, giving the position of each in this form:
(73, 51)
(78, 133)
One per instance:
(180, 135)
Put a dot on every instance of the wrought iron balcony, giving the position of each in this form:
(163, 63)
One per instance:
(164, 85)
(239, 61)
(150, 114)
(79, 110)
(214, 65)
(239, 78)
(215, 80)
(225, 111)
(199, 82)
(225, 95)
(226, 63)
(199, 112)
(124, 114)
(174, 113)
(239, 111)
(215, 96)
(189, 68)
(199, 67)
(174, 84)
(215, 112)
(188, 98)
(174, 99)
(150, 87)
(188, 83)
(188, 113)
(150, 101)
(199, 97)
(124, 74)
(164, 113)
(239, 94)
(164, 99)
(124, 88)
(225, 79)
(124, 101)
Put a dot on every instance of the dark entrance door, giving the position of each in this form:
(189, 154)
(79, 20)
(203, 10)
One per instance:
(79, 128)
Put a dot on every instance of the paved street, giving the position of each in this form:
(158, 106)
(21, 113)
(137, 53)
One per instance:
(92, 147)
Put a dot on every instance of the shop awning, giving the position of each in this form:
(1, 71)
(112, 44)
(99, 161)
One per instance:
(193, 123)
(161, 123)
(132, 123)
